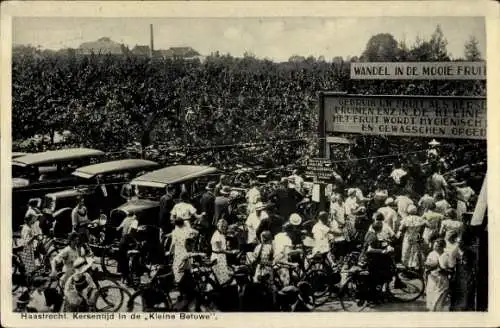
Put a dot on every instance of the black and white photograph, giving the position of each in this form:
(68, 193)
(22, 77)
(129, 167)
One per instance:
(247, 164)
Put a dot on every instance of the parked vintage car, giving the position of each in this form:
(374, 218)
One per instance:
(151, 186)
(100, 186)
(34, 175)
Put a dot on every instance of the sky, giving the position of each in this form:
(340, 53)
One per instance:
(273, 38)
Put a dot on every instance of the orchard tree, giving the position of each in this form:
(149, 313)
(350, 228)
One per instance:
(381, 48)
(434, 49)
(471, 49)
(438, 44)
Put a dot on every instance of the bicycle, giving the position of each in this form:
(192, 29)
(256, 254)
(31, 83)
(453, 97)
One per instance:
(153, 296)
(110, 294)
(208, 286)
(19, 276)
(405, 285)
(109, 261)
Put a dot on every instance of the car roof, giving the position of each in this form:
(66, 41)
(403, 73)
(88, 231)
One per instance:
(172, 174)
(134, 206)
(66, 193)
(55, 156)
(123, 165)
(16, 154)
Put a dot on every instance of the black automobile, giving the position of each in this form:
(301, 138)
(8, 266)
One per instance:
(34, 175)
(100, 186)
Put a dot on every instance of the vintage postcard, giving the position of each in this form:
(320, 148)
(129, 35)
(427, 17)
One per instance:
(249, 163)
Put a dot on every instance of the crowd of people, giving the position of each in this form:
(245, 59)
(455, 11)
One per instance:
(418, 218)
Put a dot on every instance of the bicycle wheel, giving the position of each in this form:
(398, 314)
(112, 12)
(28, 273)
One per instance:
(111, 298)
(320, 283)
(149, 300)
(348, 296)
(109, 262)
(406, 285)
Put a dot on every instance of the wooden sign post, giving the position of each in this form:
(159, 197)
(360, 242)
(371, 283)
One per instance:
(320, 169)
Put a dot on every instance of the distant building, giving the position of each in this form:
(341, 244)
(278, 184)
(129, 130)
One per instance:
(139, 50)
(103, 45)
(179, 53)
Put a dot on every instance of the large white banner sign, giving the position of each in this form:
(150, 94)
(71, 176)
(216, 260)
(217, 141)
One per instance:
(419, 71)
(437, 117)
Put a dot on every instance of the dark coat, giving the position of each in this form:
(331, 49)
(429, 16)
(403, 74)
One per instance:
(221, 208)
(286, 200)
(207, 205)
(166, 205)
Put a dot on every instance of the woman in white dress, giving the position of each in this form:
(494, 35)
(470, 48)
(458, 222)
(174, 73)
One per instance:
(178, 246)
(438, 284)
(411, 228)
(282, 245)
(219, 251)
(28, 237)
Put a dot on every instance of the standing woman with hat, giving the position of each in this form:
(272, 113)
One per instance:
(411, 229)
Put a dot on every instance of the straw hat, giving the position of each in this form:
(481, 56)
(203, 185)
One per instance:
(434, 142)
(295, 219)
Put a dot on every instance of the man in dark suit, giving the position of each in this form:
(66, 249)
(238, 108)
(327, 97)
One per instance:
(221, 208)
(270, 221)
(286, 199)
(207, 205)
(166, 205)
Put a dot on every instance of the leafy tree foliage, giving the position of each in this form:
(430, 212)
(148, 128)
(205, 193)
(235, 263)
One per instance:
(381, 47)
(471, 50)
(109, 101)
